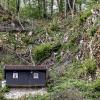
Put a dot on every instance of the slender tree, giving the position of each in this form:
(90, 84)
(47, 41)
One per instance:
(71, 4)
(17, 6)
(61, 6)
(44, 9)
(65, 8)
(39, 7)
(52, 2)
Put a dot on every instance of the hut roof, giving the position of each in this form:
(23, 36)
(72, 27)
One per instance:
(25, 67)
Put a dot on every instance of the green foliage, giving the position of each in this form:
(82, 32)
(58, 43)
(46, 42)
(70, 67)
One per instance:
(5, 89)
(1, 74)
(54, 25)
(58, 58)
(39, 97)
(12, 6)
(89, 66)
(96, 85)
(72, 44)
(72, 82)
(4, 18)
(67, 94)
(60, 86)
(93, 31)
(85, 15)
(2, 96)
(75, 67)
(2, 91)
(42, 51)
(30, 12)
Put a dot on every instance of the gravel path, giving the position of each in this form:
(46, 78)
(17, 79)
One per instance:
(16, 93)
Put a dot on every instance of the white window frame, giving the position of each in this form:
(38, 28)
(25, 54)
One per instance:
(15, 75)
(36, 75)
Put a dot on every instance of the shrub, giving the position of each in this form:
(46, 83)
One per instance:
(42, 51)
(27, 12)
(54, 25)
(72, 44)
(96, 85)
(1, 77)
(89, 66)
(2, 96)
(93, 31)
(67, 94)
(5, 89)
(84, 16)
(1, 73)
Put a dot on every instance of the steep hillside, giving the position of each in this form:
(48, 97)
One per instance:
(69, 47)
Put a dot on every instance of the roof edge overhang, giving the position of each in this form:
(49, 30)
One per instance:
(25, 67)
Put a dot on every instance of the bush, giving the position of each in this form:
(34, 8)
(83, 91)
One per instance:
(54, 25)
(27, 12)
(84, 16)
(75, 67)
(89, 66)
(5, 89)
(42, 51)
(72, 44)
(93, 31)
(1, 76)
(96, 85)
(1, 96)
(1, 73)
(67, 94)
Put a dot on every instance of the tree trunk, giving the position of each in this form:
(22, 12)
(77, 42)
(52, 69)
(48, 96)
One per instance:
(61, 6)
(65, 9)
(52, 1)
(8, 4)
(39, 8)
(58, 5)
(44, 9)
(71, 4)
(17, 6)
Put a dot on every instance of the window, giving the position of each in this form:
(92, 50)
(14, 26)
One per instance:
(15, 75)
(35, 75)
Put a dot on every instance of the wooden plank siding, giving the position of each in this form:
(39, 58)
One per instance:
(25, 77)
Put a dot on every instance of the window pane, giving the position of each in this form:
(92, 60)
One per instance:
(35, 75)
(15, 75)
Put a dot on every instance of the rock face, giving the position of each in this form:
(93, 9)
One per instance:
(91, 46)
(96, 47)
